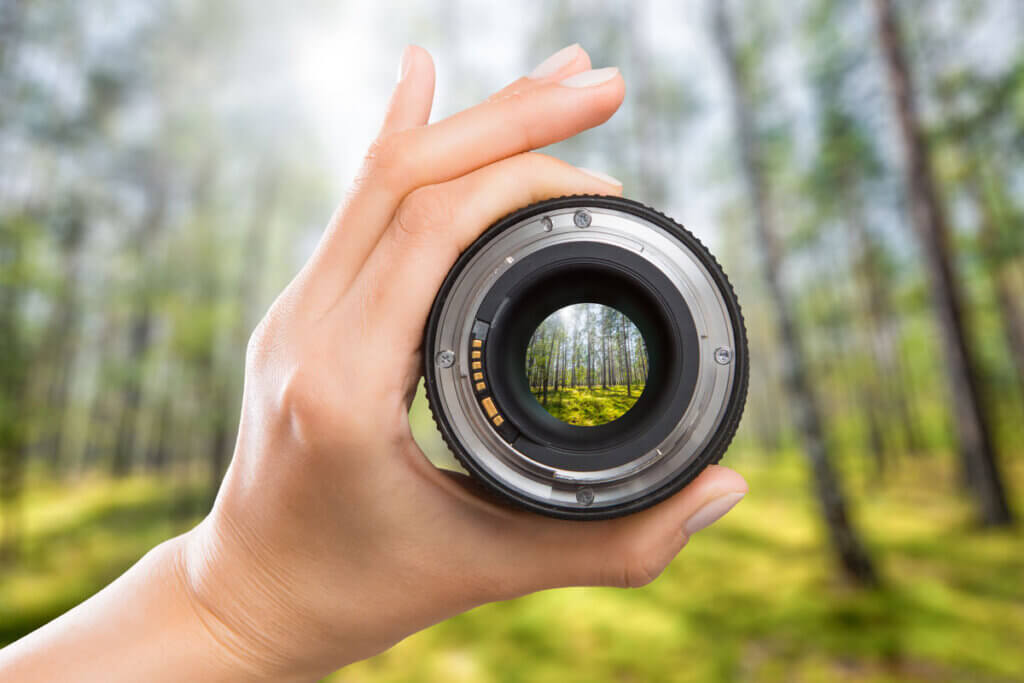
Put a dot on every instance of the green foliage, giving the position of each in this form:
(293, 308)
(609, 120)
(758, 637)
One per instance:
(585, 407)
(81, 537)
(752, 598)
(162, 181)
(755, 598)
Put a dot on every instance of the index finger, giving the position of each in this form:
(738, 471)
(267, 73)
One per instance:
(518, 121)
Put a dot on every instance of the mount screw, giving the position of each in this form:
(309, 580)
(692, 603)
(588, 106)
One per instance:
(446, 358)
(582, 218)
(723, 355)
(546, 224)
(585, 496)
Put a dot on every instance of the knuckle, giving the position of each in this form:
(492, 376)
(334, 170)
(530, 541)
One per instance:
(423, 211)
(387, 160)
(525, 122)
(268, 337)
(262, 343)
(539, 169)
(517, 102)
(539, 159)
(641, 565)
(641, 572)
(296, 400)
(314, 418)
(256, 344)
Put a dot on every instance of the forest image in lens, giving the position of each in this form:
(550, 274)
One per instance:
(587, 364)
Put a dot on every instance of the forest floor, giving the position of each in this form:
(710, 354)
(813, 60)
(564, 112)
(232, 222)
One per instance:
(755, 597)
(588, 407)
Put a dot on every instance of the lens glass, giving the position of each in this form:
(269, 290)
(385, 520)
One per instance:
(587, 364)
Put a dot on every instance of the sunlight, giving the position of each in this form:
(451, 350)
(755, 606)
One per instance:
(341, 82)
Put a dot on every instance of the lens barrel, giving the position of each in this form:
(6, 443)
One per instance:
(479, 356)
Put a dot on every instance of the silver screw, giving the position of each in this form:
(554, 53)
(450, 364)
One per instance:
(582, 218)
(546, 224)
(446, 358)
(509, 260)
(723, 355)
(585, 496)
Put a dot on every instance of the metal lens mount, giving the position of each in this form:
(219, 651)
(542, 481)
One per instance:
(586, 249)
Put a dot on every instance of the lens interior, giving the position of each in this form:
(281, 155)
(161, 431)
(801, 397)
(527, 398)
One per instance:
(587, 364)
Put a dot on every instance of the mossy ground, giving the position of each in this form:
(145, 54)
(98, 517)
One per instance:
(589, 407)
(755, 597)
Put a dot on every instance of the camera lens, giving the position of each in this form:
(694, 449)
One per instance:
(586, 358)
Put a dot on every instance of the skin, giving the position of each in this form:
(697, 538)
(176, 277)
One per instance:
(333, 537)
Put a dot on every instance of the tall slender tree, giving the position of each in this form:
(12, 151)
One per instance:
(845, 171)
(15, 234)
(852, 555)
(625, 354)
(976, 446)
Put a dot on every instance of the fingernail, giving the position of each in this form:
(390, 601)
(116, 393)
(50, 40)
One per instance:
(590, 78)
(403, 66)
(711, 512)
(604, 177)
(555, 62)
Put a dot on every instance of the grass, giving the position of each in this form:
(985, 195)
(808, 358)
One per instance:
(78, 537)
(755, 597)
(589, 407)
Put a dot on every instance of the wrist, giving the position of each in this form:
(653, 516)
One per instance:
(145, 625)
(243, 621)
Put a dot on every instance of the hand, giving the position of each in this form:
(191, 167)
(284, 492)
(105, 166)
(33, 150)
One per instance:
(333, 537)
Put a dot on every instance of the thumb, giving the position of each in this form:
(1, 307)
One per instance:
(411, 101)
(629, 551)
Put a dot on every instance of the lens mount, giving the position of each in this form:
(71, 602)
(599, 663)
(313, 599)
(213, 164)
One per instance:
(599, 250)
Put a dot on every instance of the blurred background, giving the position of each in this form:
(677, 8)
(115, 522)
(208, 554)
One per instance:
(856, 165)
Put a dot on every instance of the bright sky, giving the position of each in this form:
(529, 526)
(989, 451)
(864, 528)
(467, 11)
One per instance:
(341, 60)
(344, 63)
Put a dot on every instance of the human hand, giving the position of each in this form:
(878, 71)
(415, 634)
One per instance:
(333, 537)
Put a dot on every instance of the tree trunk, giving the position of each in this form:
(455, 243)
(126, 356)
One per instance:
(974, 435)
(223, 438)
(1002, 282)
(557, 365)
(642, 350)
(851, 553)
(604, 361)
(140, 330)
(158, 455)
(625, 357)
(565, 359)
(124, 447)
(547, 369)
(590, 359)
(59, 344)
(882, 324)
(13, 387)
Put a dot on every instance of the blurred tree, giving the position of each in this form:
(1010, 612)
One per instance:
(981, 171)
(15, 235)
(250, 268)
(141, 321)
(974, 434)
(54, 361)
(851, 553)
(846, 166)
